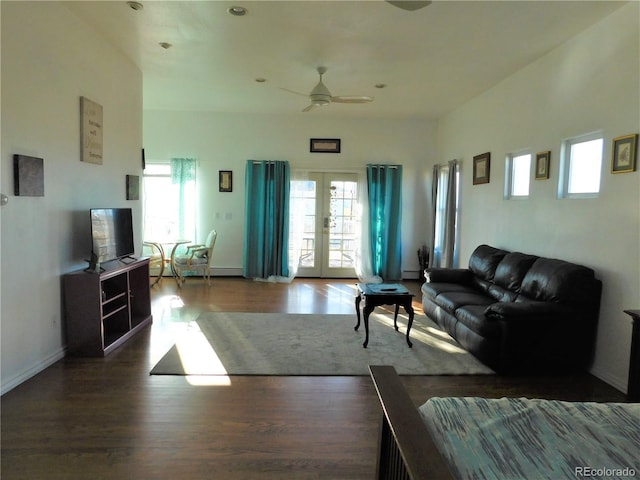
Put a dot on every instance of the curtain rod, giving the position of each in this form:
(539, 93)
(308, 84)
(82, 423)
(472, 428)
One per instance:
(383, 165)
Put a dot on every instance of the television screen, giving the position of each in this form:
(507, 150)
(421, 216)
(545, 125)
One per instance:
(111, 233)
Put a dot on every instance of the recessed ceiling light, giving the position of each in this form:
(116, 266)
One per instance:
(261, 80)
(237, 11)
(165, 45)
(380, 85)
(135, 5)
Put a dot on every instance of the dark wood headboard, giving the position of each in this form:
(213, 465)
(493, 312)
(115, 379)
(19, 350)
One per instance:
(405, 448)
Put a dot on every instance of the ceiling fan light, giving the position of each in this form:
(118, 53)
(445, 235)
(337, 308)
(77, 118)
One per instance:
(409, 5)
(135, 5)
(320, 98)
(237, 11)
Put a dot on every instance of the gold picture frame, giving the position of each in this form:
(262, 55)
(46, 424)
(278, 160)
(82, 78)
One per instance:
(625, 151)
(225, 181)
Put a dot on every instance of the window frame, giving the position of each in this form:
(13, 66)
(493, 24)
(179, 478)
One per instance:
(566, 164)
(509, 174)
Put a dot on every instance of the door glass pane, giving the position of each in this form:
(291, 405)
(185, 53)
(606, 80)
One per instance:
(342, 224)
(304, 196)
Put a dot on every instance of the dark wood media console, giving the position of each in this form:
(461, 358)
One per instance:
(103, 310)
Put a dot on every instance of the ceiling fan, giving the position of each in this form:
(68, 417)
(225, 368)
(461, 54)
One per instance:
(409, 5)
(321, 96)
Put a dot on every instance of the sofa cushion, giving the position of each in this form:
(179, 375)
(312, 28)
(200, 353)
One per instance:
(435, 289)
(552, 280)
(501, 294)
(484, 261)
(474, 318)
(451, 301)
(448, 275)
(512, 270)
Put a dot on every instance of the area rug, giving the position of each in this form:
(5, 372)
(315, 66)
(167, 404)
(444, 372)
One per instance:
(220, 343)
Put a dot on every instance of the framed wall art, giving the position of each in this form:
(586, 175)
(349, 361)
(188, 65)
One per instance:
(324, 145)
(90, 131)
(481, 168)
(625, 150)
(542, 165)
(133, 187)
(28, 176)
(225, 181)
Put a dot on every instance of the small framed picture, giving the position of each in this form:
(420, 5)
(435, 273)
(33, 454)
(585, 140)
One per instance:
(625, 150)
(133, 187)
(481, 168)
(225, 181)
(324, 145)
(542, 165)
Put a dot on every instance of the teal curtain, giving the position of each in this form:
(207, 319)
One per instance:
(384, 185)
(183, 176)
(266, 240)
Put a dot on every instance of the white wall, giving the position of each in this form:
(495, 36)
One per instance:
(49, 60)
(226, 141)
(591, 83)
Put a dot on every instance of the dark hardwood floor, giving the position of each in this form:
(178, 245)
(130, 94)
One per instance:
(107, 418)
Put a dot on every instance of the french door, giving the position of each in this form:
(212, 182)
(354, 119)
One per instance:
(328, 202)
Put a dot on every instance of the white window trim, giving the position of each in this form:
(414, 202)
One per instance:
(508, 175)
(563, 178)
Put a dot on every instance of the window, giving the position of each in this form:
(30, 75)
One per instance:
(446, 183)
(581, 166)
(518, 174)
(169, 207)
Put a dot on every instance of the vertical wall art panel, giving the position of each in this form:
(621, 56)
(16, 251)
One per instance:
(91, 131)
(133, 187)
(28, 176)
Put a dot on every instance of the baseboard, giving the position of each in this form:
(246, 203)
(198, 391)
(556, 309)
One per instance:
(237, 272)
(615, 381)
(22, 377)
(226, 272)
(411, 274)
(215, 272)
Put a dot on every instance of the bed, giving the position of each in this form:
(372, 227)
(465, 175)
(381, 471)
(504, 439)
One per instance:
(508, 438)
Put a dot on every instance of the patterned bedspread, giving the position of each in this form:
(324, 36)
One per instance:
(535, 439)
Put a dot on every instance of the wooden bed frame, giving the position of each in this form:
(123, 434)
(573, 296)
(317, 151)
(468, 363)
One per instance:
(405, 447)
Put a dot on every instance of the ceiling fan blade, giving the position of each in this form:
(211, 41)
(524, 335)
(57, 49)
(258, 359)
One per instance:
(352, 99)
(309, 108)
(294, 92)
(409, 5)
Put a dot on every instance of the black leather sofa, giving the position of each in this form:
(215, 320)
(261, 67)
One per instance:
(517, 313)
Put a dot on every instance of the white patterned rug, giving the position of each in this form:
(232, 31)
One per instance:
(222, 343)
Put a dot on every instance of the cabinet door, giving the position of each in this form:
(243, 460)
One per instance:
(83, 313)
(140, 295)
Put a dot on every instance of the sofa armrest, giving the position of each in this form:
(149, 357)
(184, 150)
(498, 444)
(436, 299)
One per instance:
(526, 310)
(448, 275)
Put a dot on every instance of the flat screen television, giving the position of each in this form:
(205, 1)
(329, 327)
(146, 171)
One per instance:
(111, 233)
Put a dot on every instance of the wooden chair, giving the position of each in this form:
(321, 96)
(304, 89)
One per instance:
(197, 258)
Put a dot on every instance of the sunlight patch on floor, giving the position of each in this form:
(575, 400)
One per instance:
(198, 356)
(432, 337)
(170, 301)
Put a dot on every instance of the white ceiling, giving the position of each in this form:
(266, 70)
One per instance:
(432, 60)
